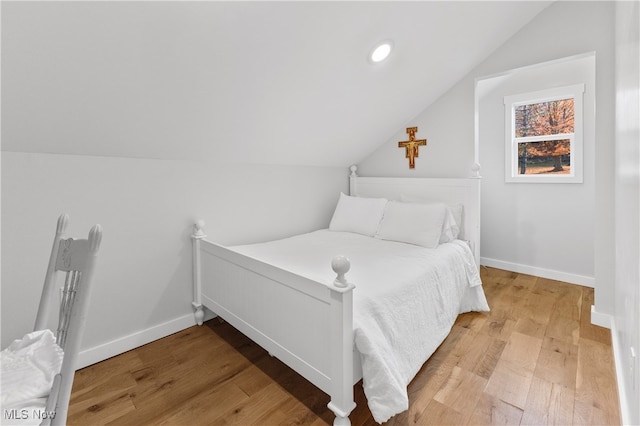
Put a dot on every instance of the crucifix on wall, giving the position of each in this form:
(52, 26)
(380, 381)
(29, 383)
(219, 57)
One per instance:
(411, 146)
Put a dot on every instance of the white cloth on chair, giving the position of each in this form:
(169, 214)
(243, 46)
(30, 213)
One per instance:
(28, 366)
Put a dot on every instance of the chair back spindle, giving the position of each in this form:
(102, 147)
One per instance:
(76, 258)
(47, 297)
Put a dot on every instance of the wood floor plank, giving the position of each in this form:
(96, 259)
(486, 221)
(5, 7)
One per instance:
(499, 327)
(548, 404)
(568, 298)
(512, 376)
(563, 328)
(461, 392)
(558, 362)
(530, 327)
(439, 414)
(492, 411)
(539, 305)
(596, 399)
(103, 410)
(102, 393)
(255, 410)
(534, 359)
(482, 355)
(536, 409)
(107, 387)
(208, 405)
(473, 321)
(560, 405)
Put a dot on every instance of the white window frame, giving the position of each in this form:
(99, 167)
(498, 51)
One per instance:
(576, 138)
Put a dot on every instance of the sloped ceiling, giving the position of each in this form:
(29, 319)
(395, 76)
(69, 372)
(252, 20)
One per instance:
(259, 82)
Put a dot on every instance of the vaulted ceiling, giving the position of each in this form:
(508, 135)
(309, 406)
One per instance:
(264, 82)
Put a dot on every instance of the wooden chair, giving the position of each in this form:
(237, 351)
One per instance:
(76, 258)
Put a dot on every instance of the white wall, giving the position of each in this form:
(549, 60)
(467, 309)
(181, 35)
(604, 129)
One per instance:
(537, 228)
(448, 127)
(142, 288)
(625, 330)
(270, 82)
(562, 30)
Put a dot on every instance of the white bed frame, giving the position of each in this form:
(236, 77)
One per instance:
(308, 324)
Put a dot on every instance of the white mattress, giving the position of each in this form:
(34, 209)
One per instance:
(406, 300)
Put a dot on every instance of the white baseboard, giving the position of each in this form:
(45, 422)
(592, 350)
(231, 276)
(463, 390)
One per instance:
(116, 347)
(539, 272)
(625, 409)
(603, 320)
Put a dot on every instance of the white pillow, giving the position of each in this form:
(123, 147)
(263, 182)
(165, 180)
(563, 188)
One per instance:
(453, 218)
(357, 214)
(456, 210)
(413, 223)
(450, 228)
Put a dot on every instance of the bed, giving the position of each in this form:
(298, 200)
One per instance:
(396, 288)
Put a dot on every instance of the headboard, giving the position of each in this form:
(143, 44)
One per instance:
(446, 190)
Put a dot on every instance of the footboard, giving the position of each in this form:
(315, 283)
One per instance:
(306, 324)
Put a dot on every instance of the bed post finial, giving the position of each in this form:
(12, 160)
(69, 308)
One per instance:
(340, 265)
(352, 180)
(198, 229)
(475, 169)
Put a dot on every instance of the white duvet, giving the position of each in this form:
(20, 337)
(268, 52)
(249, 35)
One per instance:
(406, 300)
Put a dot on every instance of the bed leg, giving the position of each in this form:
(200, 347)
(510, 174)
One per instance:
(198, 234)
(199, 313)
(342, 418)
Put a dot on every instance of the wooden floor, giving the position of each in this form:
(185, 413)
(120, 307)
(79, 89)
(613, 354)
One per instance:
(535, 359)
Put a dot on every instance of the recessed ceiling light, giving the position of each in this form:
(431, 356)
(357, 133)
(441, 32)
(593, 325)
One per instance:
(381, 51)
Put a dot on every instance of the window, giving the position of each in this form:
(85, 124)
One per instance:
(544, 136)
